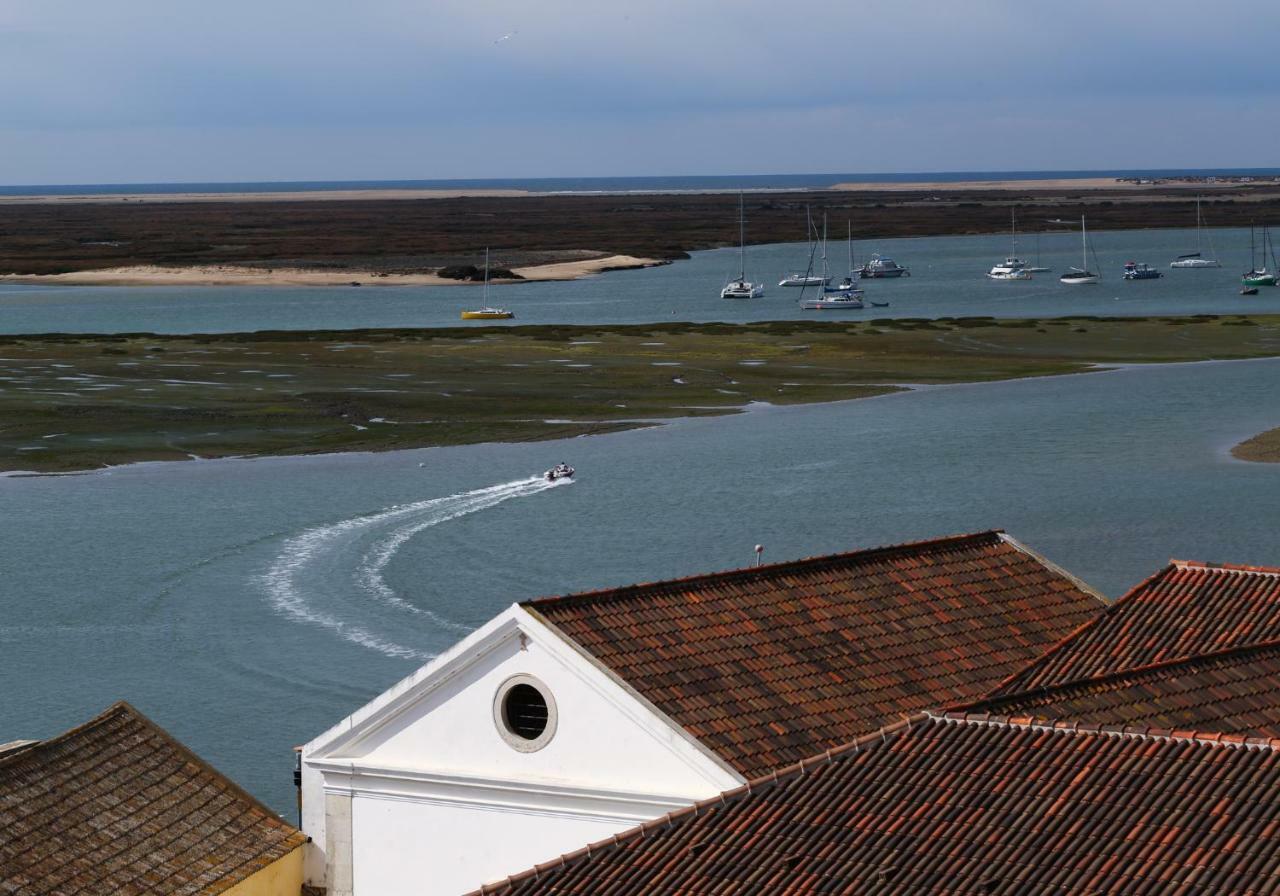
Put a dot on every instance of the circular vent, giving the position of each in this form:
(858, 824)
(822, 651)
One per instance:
(525, 713)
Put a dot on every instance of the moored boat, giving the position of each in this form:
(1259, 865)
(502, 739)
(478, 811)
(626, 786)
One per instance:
(741, 287)
(1196, 260)
(486, 311)
(1136, 270)
(1013, 267)
(882, 267)
(1082, 274)
(1260, 276)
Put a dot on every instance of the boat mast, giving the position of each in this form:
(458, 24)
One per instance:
(1198, 249)
(742, 240)
(1013, 224)
(1084, 247)
(486, 276)
(849, 226)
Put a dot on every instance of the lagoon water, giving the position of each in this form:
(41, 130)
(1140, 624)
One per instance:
(947, 279)
(247, 605)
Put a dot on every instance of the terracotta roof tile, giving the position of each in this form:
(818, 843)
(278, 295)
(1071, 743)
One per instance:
(1187, 609)
(1231, 691)
(964, 805)
(118, 806)
(767, 665)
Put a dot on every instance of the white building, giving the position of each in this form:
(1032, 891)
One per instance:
(565, 720)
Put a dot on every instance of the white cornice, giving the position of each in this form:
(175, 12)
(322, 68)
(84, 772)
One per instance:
(531, 797)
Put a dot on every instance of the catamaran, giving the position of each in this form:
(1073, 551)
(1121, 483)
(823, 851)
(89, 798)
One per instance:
(485, 312)
(1013, 267)
(1081, 274)
(742, 288)
(1196, 259)
(1260, 276)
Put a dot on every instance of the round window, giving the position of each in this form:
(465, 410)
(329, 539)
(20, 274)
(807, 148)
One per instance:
(525, 713)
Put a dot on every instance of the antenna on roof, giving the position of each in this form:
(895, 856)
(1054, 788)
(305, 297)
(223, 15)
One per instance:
(759, 552)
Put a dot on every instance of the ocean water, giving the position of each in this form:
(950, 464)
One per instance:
(247, 605)
(651, 184)
(948, 279)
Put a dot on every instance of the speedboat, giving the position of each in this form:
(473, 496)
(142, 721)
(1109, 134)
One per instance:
(881, 267)
(1136, 270)
(797, 278)
(559, 471)
(488, 314)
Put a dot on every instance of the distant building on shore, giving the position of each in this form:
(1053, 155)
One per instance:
(567, 720)
(118, 806)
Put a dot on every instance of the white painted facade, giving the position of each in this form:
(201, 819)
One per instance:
(419, 792)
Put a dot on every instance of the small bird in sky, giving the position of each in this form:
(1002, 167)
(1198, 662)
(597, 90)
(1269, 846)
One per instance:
(506, 37)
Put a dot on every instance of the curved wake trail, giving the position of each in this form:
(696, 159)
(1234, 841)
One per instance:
(323, 551)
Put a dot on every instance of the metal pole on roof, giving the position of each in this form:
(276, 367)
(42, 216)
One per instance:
(759, 552)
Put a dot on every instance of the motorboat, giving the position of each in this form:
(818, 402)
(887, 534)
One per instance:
(741, 287)
(882, 267)
(486, 311)
(1013, 267)
(1249, 291)
(559, 471)
(1010, 269)
(1082, 274)
(1196, 259)
(1137, 270)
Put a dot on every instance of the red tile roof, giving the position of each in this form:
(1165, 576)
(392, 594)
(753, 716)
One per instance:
(963, 805)
(1232, 691)
(1185, 610)
(117, 806)
(765, 666)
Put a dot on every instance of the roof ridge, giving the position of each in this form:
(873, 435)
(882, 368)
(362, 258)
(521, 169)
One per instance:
(746, 572)
(1132, 672)
(788, 772)
(1178, 735)
(1107, 612)
(111, 711)
(1209, 566)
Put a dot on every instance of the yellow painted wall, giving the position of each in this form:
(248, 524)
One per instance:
(283, 877)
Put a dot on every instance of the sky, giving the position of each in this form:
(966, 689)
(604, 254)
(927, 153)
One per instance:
(137, 91)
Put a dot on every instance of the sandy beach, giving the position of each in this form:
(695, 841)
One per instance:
(239, 275)
(1065, 183)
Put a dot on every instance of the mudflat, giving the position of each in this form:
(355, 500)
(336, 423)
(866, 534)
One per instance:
(72, 402)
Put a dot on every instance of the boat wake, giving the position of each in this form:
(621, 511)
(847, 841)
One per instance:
(327, 575)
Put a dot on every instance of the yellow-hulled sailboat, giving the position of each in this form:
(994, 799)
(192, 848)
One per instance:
(487, 312)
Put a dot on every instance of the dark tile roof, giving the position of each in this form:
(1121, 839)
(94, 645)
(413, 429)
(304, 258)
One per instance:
(117, 806)
(767, 665)
(963, 805)
(1187, 609)
(1234, 691)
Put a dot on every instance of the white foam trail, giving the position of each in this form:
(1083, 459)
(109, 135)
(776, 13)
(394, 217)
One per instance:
(301, 551)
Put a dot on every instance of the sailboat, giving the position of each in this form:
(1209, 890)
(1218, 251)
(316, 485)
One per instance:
(742, 288)
(1081, 274)
(1013, 267)
(804, 278)
(1195, 259)
(485, 311)
(830, 299)
(1260, 276)
(1037, 268)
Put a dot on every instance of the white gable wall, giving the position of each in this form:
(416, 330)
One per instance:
(430, 799)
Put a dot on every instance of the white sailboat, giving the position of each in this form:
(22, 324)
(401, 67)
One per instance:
(804, 278)
(1013, 267)
(487, 311)
(742, 288)
(1038, 268)
(1081, 274)
(831, 299)
(1196, 259)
